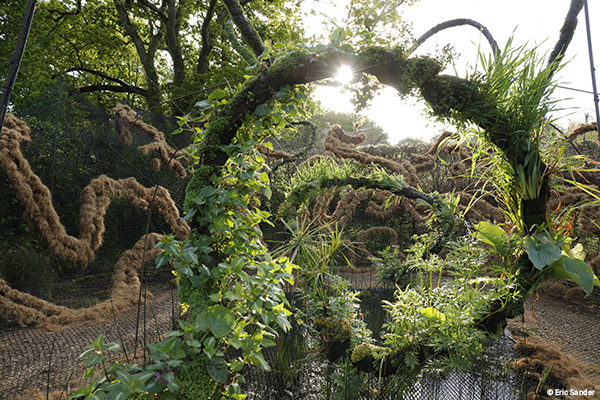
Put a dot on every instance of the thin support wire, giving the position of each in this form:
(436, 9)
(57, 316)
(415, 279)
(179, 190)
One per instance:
(592, 69)
(55, 139)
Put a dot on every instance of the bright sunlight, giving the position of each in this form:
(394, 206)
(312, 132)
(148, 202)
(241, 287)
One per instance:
(344, 74)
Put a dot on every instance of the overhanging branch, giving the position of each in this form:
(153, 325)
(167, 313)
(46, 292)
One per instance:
(113, 88)
(248, 33)
(454, 23)
(566, 32)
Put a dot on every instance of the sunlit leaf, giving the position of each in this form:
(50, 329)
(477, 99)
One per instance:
(218, 319)
(432, 314)
(541, 250)
(491, 234)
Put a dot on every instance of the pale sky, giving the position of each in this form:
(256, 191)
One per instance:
(536, 22)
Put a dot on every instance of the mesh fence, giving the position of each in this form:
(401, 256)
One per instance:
(72, 142)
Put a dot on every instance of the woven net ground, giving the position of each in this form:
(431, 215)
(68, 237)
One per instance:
(32, 358)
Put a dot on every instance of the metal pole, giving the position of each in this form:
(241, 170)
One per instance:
(15, 62)
(593, 70)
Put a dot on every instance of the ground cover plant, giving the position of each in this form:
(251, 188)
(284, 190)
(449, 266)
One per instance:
(231, 285)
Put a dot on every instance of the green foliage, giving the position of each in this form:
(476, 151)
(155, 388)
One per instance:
(122, 381)
(307, 182)
(433, 325)
(391, 268)
(370, 22)
(241, 296)
(232, 286)
(511, 99)
(346, 383)
(334, 310)
(237, 46)
(318, 250)
(550, 253)
(364, 350)
(141, 51)
(26, 266)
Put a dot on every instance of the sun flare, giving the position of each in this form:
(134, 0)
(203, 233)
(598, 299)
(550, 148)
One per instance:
(344, 74)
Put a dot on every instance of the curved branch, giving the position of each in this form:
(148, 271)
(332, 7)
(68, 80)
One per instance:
(97, 73)
(113, 88)
(206, 48)
(566, 32)
(62, 14)
(248, 33)
(454, 23)
(152, 7)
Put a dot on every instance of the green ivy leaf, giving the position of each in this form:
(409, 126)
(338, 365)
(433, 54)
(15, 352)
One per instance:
(218, 319)
(217, 369)
(258, 360)
(262, 110)
(217, 94)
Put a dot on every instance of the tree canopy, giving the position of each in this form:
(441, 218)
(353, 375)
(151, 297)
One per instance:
(147, 52)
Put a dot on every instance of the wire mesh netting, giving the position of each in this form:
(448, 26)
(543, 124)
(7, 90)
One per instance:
(74, 141)
(31, 358)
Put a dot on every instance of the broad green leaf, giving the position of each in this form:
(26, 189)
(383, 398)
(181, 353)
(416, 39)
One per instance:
(258, 360)
(206, 191)
(217, 369)
(189, 254)
(218, 319)
(262, 110)
(99, 341)
(571, 268)
(119, 393)
(432, 314)
(217, 94)
(143, 376)
(541, 250)
(94, 359)
(491, 234)
(162, 259)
